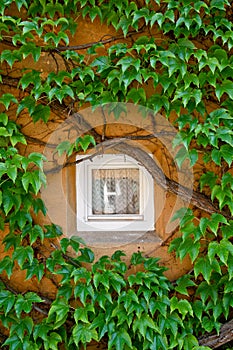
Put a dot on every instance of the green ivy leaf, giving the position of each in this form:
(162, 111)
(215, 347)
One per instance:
(24, 303)
(85, 142)
(5, 132)
(227, 303)
(181, 156)
(11, 240)
(81, 274)
(226, 152)
(87, 255)
(62, 92)
(84, 333)
(81, 313)
(203, 266)
(198, 308)
(10, 57)
(183, 306)
(13, 341)
(101, 62)
(157, 17)
(209, 178)
(183, 283)
(65, 291)
(53, 231)
(124, 25)
(119, 339)
(41, 112)
(29, 26)
(58, 312)
(37, 159)
(38, 205)
(22, 254)
(3, 118)
(217, 311)
(128, 61)
(225, 87)
(6, 100)
(35, 233)
(7, 264)
(118, 110)
(18, 138)
(7, 300)
(155, 102)
(216, 156)
(23, 327)
(65, 146)
(8, 201)
(227, 231)
(31, 49)
(36, 179)
(208, 324)
(31, 77)
(27, 102)
(214, 222)
(218, 4)
(142, 324)
(158, 306)
(136, 95)
(12, 172)
(56, 38)
(84, 292)
(21, 218)
(51, 341)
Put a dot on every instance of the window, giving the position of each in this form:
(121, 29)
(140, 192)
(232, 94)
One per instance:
(114, 193)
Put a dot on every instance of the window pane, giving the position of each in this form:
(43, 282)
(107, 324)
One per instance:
(115, 191)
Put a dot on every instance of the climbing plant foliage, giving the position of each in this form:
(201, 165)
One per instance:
(183, 50)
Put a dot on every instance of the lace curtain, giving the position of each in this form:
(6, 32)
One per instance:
(115, 191)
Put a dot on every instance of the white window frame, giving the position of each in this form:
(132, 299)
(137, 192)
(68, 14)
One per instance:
(87, 221)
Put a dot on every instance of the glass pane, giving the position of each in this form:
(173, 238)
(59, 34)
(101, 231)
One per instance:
(115, 191)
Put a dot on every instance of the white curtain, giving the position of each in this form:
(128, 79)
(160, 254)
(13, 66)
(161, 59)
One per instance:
(115, 191)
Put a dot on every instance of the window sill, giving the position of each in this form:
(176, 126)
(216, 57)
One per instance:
(114, 238)
(115, 217)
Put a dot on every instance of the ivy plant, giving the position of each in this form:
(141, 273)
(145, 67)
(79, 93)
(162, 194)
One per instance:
(189, 69)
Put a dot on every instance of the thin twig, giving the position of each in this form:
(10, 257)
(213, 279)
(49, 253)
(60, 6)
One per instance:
(35, 307)
(101, 41)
